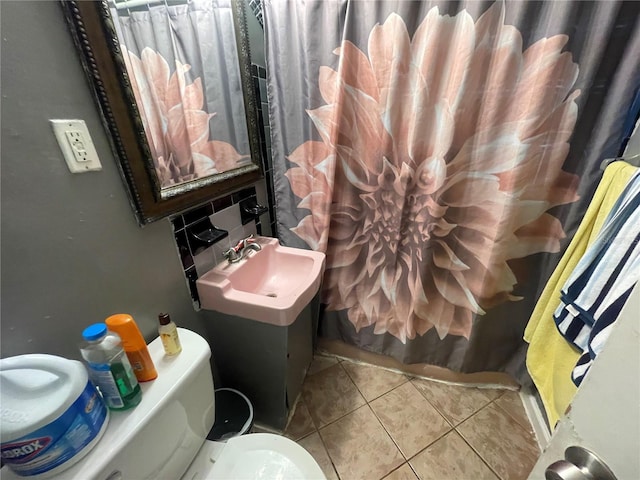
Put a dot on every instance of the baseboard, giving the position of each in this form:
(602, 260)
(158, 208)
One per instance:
(537, 418)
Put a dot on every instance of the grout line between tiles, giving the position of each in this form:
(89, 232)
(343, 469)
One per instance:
(437, 439)
(413, 469)
(529, 430)
(420, 451)
(479, 456)
(450, 422)
(306, 435)
(383, 428)
(472, 447)
(453, 426)
(368, 403)
(324, 445)
(316, 430)
(388, 434)
(393, 440)
(396, 469)
(446, 419)
(360, 391)
(390, 437)
(349, 412)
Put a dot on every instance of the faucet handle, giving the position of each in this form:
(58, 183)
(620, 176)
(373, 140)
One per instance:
(231, 255)
(244, 242)
(249, 240)
(240, 245)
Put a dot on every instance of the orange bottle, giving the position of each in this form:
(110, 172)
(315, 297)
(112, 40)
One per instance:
(134, 345)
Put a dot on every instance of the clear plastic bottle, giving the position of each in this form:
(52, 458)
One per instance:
(109, 367)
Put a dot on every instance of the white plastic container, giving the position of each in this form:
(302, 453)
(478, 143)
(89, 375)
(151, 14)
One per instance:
(51, 415)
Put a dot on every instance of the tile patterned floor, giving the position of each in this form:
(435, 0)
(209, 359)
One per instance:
(363, 422)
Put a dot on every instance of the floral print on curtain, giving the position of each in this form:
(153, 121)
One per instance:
(436, 168)
(175, 123)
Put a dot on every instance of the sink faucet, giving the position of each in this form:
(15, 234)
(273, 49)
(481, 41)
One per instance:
(237, 253)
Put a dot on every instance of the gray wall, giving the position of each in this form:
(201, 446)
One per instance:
(72, 252)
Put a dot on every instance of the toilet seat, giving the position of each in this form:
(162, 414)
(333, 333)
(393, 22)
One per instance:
(254, 456)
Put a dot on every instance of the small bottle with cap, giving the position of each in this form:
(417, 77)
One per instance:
(169, 335)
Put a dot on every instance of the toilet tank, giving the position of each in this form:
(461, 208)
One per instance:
(161, 436)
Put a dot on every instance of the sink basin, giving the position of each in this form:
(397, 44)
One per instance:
(272, 285)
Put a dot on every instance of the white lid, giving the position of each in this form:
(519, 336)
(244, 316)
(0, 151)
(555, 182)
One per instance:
(35, 390)
(260, 456)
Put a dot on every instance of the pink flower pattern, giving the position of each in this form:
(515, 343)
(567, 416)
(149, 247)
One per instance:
(175, 124)
(440, 156)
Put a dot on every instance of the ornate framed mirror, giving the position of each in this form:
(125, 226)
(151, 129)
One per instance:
(214, 147)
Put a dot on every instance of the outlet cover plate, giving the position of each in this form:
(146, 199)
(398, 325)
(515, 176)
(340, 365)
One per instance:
(76, 145)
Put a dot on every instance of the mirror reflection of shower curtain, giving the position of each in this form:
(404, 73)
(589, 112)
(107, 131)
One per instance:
(442, 154)
(184, 68)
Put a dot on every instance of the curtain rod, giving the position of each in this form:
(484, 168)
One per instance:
(135, 3)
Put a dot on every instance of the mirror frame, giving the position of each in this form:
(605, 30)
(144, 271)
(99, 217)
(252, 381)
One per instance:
(94, 35)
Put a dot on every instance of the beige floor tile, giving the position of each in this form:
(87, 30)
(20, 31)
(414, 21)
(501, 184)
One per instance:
(330, 394)
(511, 403)
(402, 473)
(320, 363)
(455, 402)
(450, 458)
(360, 448)
(503, 444)
(313, 445)
(373, 381)
(301, 423)
(412, 422)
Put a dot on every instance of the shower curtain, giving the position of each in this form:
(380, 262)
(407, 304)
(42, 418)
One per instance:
(184, 69)
(442, 154)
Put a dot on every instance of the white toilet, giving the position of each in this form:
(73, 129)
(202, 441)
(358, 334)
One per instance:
(164, 437)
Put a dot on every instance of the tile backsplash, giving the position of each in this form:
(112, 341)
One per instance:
(223, 213)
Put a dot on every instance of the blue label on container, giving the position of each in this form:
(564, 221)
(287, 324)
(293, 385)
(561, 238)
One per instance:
(57, 442)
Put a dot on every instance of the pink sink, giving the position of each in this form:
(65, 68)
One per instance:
(272, 285)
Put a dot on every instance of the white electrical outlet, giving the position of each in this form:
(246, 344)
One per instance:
(76, 145)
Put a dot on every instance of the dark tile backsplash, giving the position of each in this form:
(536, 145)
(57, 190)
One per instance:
(202, 234)
(183, 248)
(197, 213)
(244, 193)
(221, 203)
(263, 89)
(191, 276)
(223, 213)
(260, 84)
(178, 223)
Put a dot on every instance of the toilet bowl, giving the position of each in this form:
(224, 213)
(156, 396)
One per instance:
(164, 437)
(255, 456)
